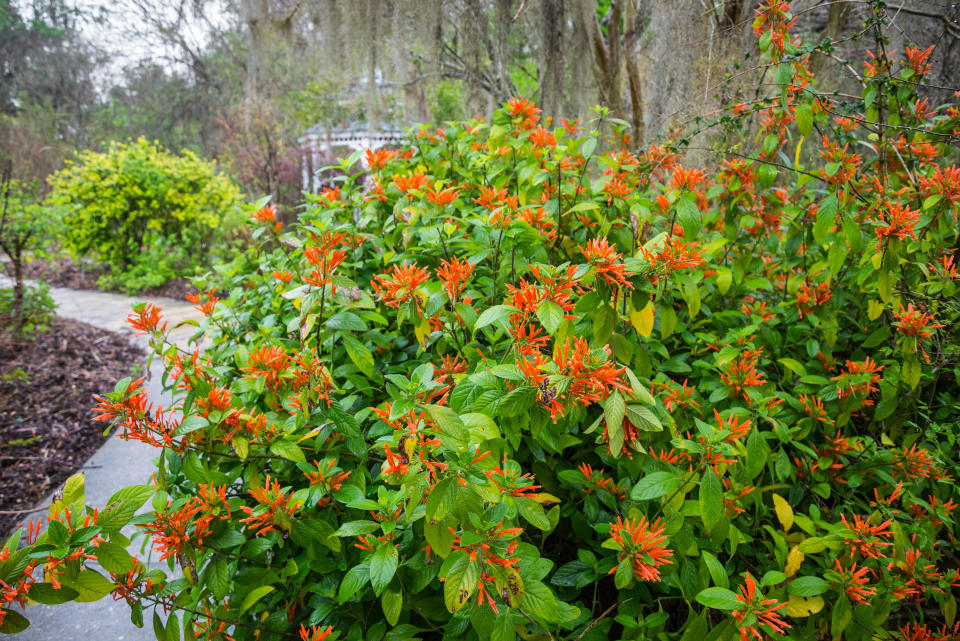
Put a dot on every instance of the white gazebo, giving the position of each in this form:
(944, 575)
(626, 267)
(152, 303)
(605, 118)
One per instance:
(318, 142)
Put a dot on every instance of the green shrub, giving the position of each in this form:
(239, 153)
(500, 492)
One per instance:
(522, 387)
(39, 310)
(147, 214)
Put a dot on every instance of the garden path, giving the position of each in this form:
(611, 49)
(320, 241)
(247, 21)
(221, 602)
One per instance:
(117, 464)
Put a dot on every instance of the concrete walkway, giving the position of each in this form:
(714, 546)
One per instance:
(117, 464)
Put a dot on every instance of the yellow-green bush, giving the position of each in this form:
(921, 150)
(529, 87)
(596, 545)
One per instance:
(148, 214)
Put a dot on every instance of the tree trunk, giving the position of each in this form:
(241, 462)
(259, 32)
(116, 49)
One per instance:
(552, 59)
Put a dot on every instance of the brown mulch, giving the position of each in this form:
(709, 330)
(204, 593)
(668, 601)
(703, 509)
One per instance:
(63, 271)
(46, 427)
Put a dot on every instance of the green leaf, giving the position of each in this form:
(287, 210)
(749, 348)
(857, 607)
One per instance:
(356, 528)
(533, 513)
(347, 321)
(517, 401)
(614, 409)
(711, 500)
(539, 601)
(359, 354)
(623, 576)
(808, 586)
(218, 577)
(842, 615)
(13, 622)
(158, 628)
(804, 116)
(191, 424)
(503, 629)
(392, 603)
(355, 578)
(496, 314)
(114, 558)
(826, 216)
(442, 498)
(689, 218)
(46, 594)
(253, 596)
(793, 365)
(550, 315)
(91, 586)
(717, 572)
(460, 582)
(603, 320)
(655, 485)
(383, 565)
(718, 598)
(453, 432)
(288, 450)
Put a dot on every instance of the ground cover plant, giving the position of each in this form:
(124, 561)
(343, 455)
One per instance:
(516, 386)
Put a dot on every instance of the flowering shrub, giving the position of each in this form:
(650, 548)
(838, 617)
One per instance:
(147, 214)
(520, 387)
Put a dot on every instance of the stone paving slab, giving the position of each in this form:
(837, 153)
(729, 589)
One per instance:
(116, 464)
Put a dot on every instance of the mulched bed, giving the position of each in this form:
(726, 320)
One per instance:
(46, 431)
(62, 271)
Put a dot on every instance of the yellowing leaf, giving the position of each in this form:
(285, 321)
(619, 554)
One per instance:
(643, 320)
(799, 606)
(794, 560)
(886, 440)
(297, 301)
(423, 333)
(874, 309)
(545, 499)
(784, 512)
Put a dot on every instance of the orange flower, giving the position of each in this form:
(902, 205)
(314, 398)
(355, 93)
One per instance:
(899, 223)
(278, 508)
(859, 379)
(413, 181)
(808, 299)
(441, 197)
(913, 322)
(378, 159)
(866, 539)
(642, 545)
(208, 305)
(400, 284)
(601, 254)
(741, 374)
(853, 582)
(146, 318)
(756, 613)
(524, 110)
(540, 137)
(315, 633)
(454, 274)
(267, 214)
(284, 276)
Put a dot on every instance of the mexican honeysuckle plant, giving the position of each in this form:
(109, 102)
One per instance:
(519, 380)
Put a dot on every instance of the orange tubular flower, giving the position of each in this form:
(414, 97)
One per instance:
(146, 318)
(208, 305)
(854, 582)
(540, 138)
(741, 374)
(814, 408)
(899, 224)
(315, 633)
(270, 362)
(525, 111)
(592, 378)
(454, 274)
(377, 159)
(413, 181)
(601, 254)
(866, 539)
(266, 214)
(808, 298)
(279, 510)
(859, 379)
(400, 284)
(762, 611)
(913, 322)
(642, 545)
(442, 197)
